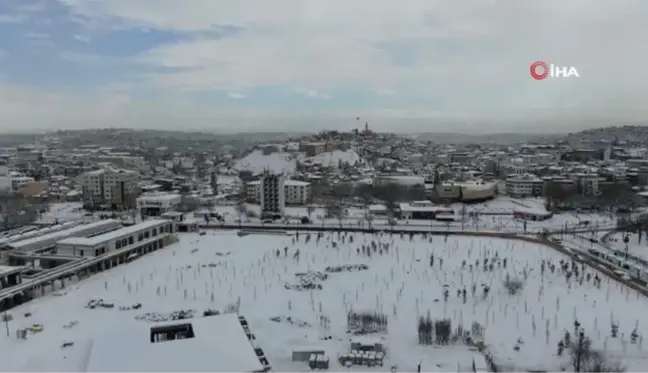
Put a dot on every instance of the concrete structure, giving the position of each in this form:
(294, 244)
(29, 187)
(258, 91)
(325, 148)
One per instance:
(109, 186)
(524, 186)
(314, 148)
(273, 195)
(150, 232)
(531, 214)
(403, 180)
(5, 179)
(48, 242)
(10, 276)
(158, 204)
(79, 267)
(587, 184)
(181, 222)
(474, 191)
(18, 182)
(295, 192)
(423, 210)
(122, 160)
(7, 240)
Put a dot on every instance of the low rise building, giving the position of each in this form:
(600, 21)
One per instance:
(148, 235)
(158, 204)
(424, 210)
(47, 242)
(524, 186)
(295, 192)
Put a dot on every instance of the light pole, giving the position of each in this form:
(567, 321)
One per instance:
(579, 352)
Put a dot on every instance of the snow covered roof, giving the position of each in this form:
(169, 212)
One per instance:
(286, 182)
(219, 345)
(532, 211)
(113, 235)
(60, 235)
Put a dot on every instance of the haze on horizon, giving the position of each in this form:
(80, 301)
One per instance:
(294, 65)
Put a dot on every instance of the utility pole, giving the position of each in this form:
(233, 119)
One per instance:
(6, 319)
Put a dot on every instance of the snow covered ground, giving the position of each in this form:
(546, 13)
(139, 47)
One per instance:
(257, 162)
(214, 270)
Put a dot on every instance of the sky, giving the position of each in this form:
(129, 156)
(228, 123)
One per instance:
(308, 65)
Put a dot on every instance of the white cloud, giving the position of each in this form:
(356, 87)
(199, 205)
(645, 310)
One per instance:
(83, 38)
(385, 92)
(13, 18)
(312, 94)
(323, 43)
(450, 60)
(235, 96)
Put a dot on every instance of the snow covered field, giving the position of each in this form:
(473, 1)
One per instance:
(214, 270)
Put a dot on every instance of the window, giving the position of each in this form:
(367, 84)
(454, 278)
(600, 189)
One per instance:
(130, 240)
(118, 245)
(81, 252)
(124, 242)
(140, 237)
(146, 234)
(171, 332)
(96, 252)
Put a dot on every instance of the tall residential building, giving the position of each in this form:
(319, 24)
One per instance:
(296, 192)
(5, 178)
(109, 186)
(273, 195)
(213, 180)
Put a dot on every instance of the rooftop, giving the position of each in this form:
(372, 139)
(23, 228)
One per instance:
(159, 197)
(219, 345)
(125, 231)
(64, 233)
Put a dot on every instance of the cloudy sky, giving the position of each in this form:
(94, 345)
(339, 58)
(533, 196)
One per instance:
(305, 65)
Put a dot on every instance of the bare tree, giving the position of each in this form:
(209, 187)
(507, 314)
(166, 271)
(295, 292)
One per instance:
(188, 203)
(310, 209)
(241, 209)
(368, 216)
(585, 359)
(210, 203)
(334, 210)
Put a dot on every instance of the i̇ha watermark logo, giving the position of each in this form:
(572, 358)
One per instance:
(541, 70)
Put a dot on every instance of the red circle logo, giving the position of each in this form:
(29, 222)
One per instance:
(539, 70)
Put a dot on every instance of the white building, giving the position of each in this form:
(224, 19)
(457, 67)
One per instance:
(273, 194)
(296, 192)
(158, 204)
(109, 186)
(524, 186)
(20, 181)
(48, 241)
(149, 234)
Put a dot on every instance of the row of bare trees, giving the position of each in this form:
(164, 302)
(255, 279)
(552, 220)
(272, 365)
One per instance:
(610, 197)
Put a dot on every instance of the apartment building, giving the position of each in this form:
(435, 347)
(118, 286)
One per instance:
(295, 192)
(272, 194)
(521, 186)
(109, 186)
